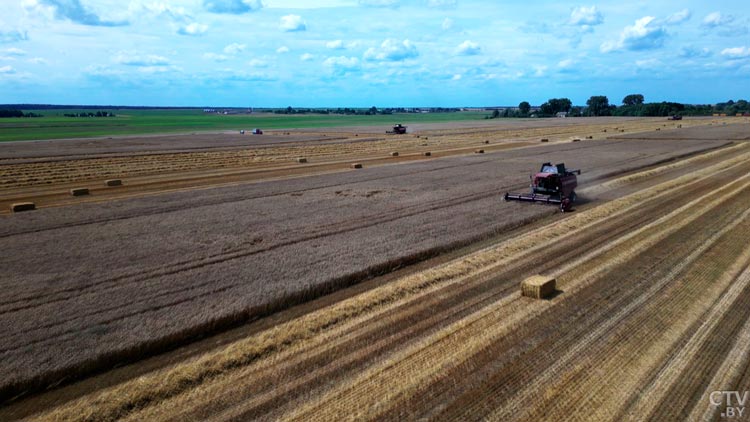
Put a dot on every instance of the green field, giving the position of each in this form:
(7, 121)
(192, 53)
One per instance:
(134, 122)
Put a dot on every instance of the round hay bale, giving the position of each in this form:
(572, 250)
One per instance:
(79, 191)
(486, 142)
(604, 130)
(589, 137)
(357, 165)
(394, 154)
(301, 160)
(113, 182)
(479, 151)
(544, 140)
(576, 140)
(22, 206)
(427, 154)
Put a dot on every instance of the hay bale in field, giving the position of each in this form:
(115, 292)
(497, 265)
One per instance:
(113, 182)
(658, 128)
(301, 160)
(589, 137)
(545, 140)
(605, 130)
(79, 191)
(479, 151)
(427, 154)
(394, 154)
(486, 142)
(357, 165)
(538, 287)
(22, 206)
(622, 130)
(576, 140)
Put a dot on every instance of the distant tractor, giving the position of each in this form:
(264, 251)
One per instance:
(553, 184)
(398, 129)
(675, 117)
(257, 132)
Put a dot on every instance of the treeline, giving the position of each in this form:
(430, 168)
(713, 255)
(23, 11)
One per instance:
(90, 114)
(17, 113)
(632, 105)
(359, 111)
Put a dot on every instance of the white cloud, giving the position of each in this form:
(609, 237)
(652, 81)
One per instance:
(38, 60)
(644, 34)
(306, 57)
(566, 64)
(215, 57)
(588, 16)
(13, 36)
(71, 10)
(335, 45)
(736, 52)
(130, 59)
(7, 70)
(379, 3)
(139, 8)
(392, 50)
(712, 20)
(17, 52)
(193, 29)
(341, 64)
(678, 17)
(257, 63)
(648, 64)
(442, 4)
(468, 48)
(283, 49)
(234, 48)
(241, 76)
(234, 7)
(690, 52)
(447, 24)
(456, 77)
(292, 23)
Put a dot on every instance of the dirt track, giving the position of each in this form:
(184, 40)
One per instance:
(629, 271)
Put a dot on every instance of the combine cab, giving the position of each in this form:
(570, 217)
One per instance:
(398, 129)
(675, 117)
(553, 184)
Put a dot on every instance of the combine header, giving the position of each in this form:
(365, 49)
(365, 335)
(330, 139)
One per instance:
(398, 129)
(553, 184)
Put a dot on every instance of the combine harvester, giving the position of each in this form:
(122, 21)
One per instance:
(398, 129)
(553, 184)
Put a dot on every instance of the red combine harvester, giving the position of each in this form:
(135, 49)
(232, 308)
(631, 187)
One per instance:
(554, 184)
(398, 129)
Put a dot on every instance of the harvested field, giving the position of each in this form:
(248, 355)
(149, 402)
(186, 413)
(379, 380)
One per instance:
(651, 269)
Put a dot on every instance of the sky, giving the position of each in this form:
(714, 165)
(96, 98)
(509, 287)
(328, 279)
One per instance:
(362, 53)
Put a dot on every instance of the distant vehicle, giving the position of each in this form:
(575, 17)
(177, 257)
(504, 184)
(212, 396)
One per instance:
(398, 129)
(257, 132)
(242, 132)
(675, 117)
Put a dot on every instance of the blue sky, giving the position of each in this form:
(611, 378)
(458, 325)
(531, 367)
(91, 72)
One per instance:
(362, 53)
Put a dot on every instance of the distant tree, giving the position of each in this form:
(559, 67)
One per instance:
(632, 99)
(524, 108)
(598, 105)
(556, 105)
(495, 113)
